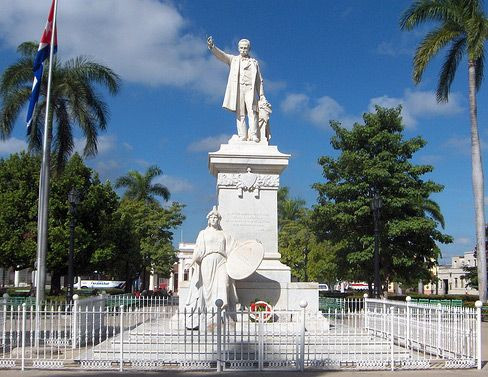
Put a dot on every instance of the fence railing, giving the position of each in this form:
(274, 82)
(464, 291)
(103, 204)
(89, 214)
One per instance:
(152, 334)
(428, 332)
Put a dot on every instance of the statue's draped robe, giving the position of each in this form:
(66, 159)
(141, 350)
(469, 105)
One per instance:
(231, 91)
(210, 280)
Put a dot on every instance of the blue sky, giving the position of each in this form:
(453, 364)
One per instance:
(321, 60)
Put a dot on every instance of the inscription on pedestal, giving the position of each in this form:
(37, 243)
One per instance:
(248, 220)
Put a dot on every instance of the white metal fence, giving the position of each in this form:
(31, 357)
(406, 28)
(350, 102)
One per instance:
(149, 333)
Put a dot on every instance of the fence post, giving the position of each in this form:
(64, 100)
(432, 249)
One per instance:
(260, 319)
(24, 318)
(366, 322)
(121, 324)
(219, 304)
(74, 319)
(303, 305)
(392, 340)
(478, 304)
(439, 330)
(407, 330)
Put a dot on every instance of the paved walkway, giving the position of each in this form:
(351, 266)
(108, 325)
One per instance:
(179, 373)
(308, 373)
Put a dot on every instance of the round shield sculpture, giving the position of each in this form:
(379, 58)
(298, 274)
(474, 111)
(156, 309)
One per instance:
(245, 259)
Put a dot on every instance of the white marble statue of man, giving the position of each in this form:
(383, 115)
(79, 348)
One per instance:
(210, 280)
(244, 88)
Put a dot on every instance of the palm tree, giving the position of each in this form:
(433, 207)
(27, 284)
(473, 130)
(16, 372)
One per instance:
(289, 209)
(74, 101)
(139, 186)
(464, 28)
(433, 210)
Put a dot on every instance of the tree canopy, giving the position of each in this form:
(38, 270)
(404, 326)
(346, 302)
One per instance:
(374, 157)
(140, 187)
(19, 185)
(308, 259)
(117, 238)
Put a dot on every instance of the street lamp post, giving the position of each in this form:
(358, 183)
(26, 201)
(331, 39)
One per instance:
(74, 200)
(376, 206)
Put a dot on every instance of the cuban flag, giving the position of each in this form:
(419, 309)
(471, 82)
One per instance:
(42, 54)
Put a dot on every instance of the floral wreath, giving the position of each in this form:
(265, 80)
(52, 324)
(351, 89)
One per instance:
(260, 310)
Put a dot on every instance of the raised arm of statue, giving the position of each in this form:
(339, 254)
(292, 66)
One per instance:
(218, 53)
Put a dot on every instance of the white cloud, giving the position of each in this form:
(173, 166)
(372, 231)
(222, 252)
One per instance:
(174, 184)
(274, 86)
(325, 108)
(463, 241)
(430, 159)
(145, 41)
(419, 104)
(128, 146)
(105, 144)
(294, 102)
(319, 111)
(108, 168)
(462, 144)
(208, 144)
(415, 105)
(12, 145)
(391, 49)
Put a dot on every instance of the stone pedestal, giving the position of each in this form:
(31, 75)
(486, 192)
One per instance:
(248, 178)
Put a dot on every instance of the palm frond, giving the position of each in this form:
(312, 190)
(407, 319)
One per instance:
(76, 83)
(152, 171)
(160, 190)
(476, 35)
(75, 98)
(429, 10)
(124, 181)
(37, 127)
(16, 76)
(91, 71)
(434, 211)
(449, 68)
(9, 110)
(63, 141)
(430, 45)
(28, 49)
(479, 70)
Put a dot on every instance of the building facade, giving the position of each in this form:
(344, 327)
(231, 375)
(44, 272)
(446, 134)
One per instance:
(451, 278)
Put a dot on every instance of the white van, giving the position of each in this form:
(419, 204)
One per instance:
(323, 287)
(99, 284)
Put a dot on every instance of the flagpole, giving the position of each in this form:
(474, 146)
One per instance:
(42, 216)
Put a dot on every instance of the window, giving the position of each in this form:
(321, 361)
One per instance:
(455, 283)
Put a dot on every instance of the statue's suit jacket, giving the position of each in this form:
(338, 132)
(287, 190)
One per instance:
(230, 98)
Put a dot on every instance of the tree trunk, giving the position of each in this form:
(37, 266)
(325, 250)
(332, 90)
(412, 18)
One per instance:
(478, 184)
(55, 283)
